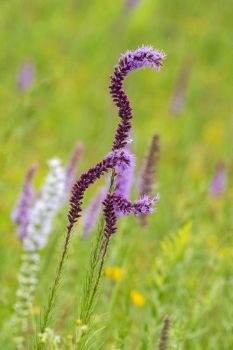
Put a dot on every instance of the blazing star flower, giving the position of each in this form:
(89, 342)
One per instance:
(118, 161)
(26, 76)
(45, 207)
(20, 214)
(144, 56)
(218, 184)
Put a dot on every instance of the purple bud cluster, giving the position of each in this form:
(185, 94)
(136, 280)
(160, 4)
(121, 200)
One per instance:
(145, 56)
(113, 202)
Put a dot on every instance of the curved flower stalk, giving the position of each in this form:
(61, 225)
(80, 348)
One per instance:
(20, 214)
(118, 161)
(144, 56)
(40, 218)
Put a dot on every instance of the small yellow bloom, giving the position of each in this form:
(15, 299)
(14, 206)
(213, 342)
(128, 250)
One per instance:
(114, 273)
(69, 337)
(137, 298)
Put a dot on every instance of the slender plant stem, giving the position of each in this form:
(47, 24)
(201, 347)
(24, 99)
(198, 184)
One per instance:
(56, 281)
(94, 273)
(86, 313)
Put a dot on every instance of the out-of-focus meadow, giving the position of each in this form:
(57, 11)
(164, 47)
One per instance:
(181, 263)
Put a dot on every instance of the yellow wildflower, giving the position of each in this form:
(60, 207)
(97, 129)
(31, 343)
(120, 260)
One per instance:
(137, 298)
(115, 273)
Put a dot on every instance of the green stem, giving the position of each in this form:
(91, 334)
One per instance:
(94, 273)
(55, 285)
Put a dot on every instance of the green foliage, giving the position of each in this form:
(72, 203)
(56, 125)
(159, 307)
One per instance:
(178, 270)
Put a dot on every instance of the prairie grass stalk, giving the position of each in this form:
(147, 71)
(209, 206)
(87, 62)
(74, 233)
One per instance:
(118, 160)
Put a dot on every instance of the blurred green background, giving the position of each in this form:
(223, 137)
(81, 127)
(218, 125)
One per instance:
(74, 46)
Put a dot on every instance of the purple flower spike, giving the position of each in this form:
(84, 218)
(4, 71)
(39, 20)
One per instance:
(110, 216)
(93, 211)
(118, 160)
(218, 184)
(20, 214)
(26, 76)
(145, 56)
